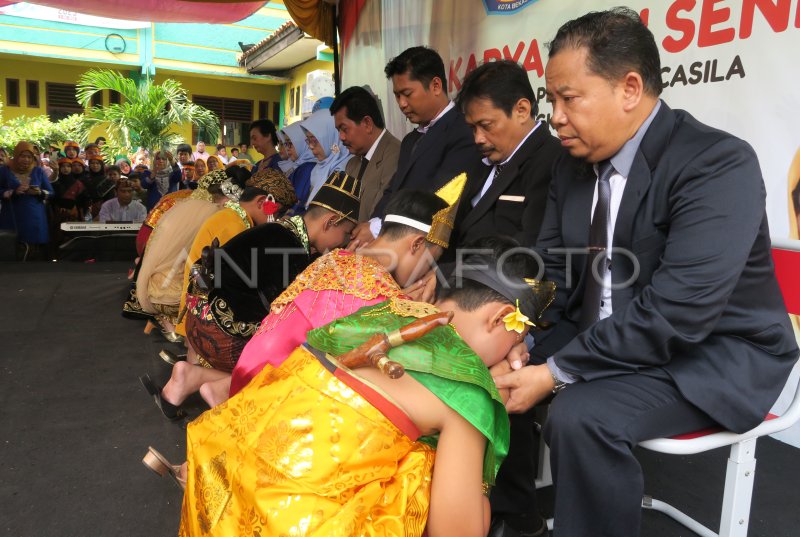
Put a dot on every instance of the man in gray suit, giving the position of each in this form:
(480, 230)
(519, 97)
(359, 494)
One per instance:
(674, 321)
(359, 121)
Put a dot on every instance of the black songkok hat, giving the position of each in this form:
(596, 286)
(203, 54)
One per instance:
(341, 194)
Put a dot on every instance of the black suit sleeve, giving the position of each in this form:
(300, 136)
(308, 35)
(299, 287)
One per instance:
(454, 152)
(460, 156)
(537, 183)
(392, 187)
(716, 208)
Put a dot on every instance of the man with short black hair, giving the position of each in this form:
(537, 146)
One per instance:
(687, 328)
(222, 153)
(264, 139)
(509, 195)
(123, 208)
(440, 147)
(114, 173)
(362, 131)
(243, 151)
(184, 152)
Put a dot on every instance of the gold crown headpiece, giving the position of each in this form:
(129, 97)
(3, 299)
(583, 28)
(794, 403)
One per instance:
(216, 177)
(341, 193)
(441, 226)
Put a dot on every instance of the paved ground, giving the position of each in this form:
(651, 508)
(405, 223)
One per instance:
(75, 422)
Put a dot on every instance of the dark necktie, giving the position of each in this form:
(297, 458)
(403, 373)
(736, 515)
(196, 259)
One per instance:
(498, 168)
(362, 169)
(598, 242)
(415, 136)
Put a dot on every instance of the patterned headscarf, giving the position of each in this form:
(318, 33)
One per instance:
(274, 182)
(18, 150)
(217, 177)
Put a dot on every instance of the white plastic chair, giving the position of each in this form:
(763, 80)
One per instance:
(738, 477)
(741, 466)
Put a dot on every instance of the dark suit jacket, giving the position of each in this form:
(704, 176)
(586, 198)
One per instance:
(514, 203)
(446, 150)
(378, 173)
(703, 302)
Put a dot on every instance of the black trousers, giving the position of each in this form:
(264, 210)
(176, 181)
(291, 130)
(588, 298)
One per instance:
(514, 496)
(591, 430)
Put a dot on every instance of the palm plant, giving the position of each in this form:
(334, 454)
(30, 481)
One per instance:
(148, 113)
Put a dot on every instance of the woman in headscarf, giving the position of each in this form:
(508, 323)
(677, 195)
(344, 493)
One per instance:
(124, 166)
(23, 191)
(200, 168)
(286, 164)
(304, 161)
(69, 192)
(98, 187)
(323, 140)
(163, 179)
(214, 163)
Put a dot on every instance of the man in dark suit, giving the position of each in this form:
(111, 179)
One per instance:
(359, 120)
(508, 197)
(687, 327)
(440, 147)
(509, 194)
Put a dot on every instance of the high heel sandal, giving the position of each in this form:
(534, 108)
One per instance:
(170, 357)
(161, 466)
(170, 411)
(172, 336)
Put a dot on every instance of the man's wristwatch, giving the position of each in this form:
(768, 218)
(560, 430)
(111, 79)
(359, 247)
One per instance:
(558, 384)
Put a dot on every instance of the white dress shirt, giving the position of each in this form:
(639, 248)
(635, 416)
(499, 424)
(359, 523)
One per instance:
(494, 166)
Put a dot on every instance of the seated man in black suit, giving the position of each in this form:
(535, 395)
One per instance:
(508, 196)
(509, 192)
(687, 327)
(440, 148)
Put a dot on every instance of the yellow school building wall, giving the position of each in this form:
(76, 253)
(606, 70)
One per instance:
(257, 90)
(42, 70)
(298, 78)
(46, 70)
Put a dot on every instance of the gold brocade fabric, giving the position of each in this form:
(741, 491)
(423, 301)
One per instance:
(301, 453)
(340, 270)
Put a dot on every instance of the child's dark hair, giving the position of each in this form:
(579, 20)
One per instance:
(470, 295)
(414, 204)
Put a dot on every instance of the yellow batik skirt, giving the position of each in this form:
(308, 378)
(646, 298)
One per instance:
(306, 449)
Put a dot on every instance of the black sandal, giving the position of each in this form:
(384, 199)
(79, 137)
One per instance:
(170, 411)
